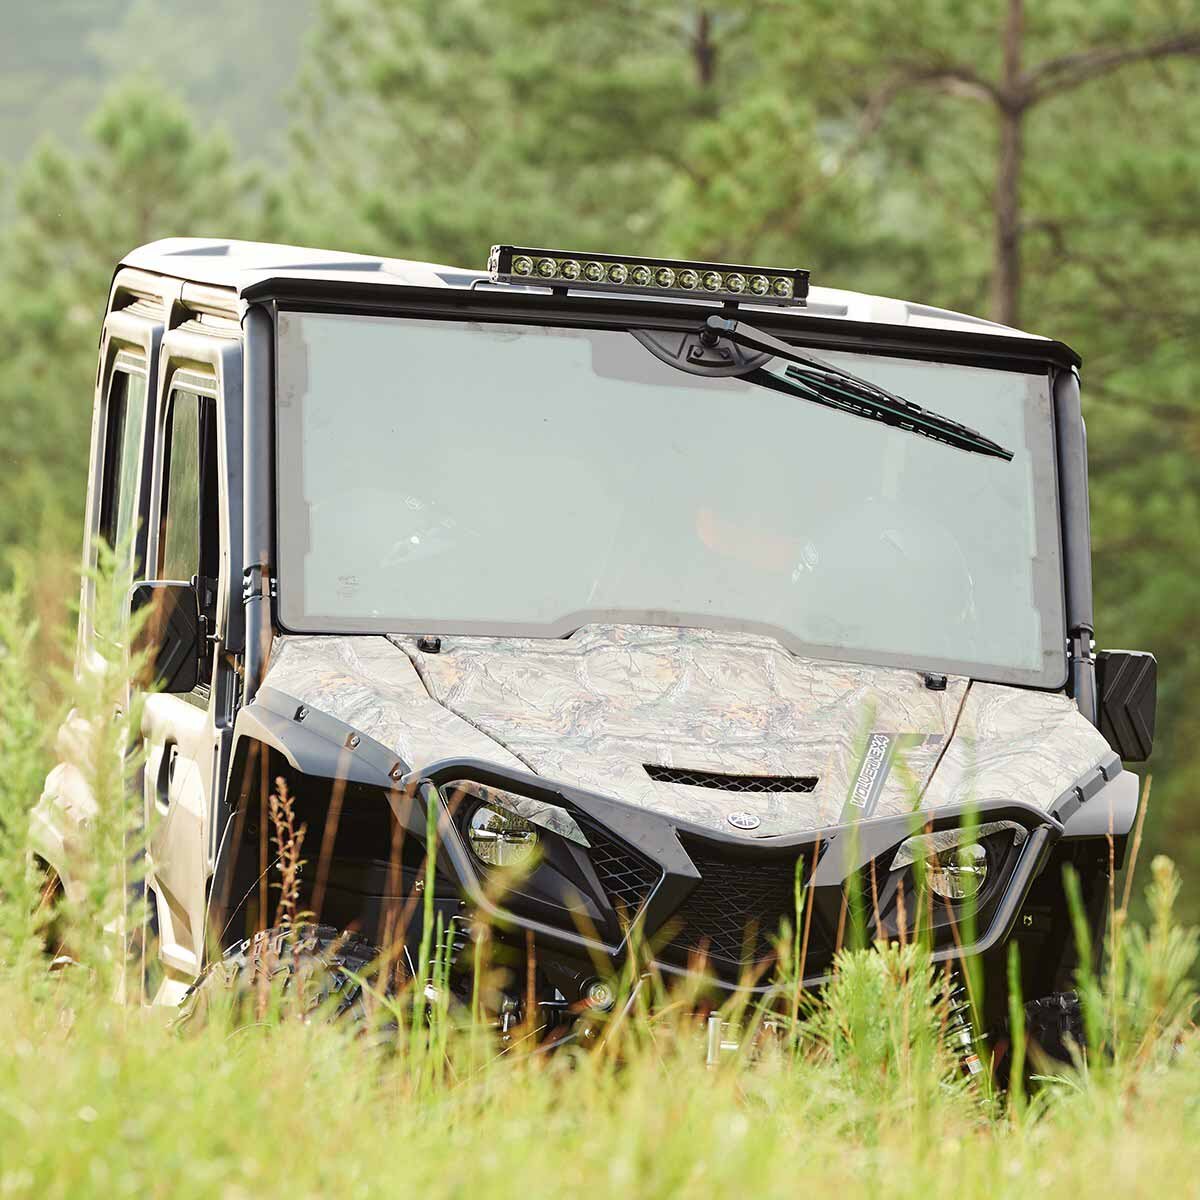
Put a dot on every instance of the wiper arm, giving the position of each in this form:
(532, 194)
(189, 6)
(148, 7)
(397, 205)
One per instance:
(813, 379)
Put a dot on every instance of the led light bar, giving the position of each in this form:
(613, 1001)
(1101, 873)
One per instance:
(653, 276)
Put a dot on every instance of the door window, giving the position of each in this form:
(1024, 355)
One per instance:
(181, 512)
(125, 415)
(189, 546)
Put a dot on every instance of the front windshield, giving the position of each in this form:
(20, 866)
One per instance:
(452, 477)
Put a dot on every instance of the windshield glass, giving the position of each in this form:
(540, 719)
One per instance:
(446, 477)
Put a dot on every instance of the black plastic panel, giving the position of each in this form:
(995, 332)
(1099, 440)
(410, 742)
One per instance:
(1127, 683)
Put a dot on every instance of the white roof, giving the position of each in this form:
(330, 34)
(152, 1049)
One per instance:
(239, 265)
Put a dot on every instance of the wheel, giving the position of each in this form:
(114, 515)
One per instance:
(51, 926)
(1053, 1025)
(306, 966)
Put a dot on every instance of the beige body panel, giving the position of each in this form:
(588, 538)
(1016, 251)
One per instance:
(66, 802)
(180, 752)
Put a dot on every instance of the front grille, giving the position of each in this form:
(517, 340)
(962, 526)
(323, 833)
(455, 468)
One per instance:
(732, 783)
(733, 914)
(626, 876)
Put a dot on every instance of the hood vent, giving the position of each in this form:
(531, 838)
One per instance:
(731, 783)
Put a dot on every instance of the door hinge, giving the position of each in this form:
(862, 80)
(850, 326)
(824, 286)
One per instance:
(257, 581)
(1081, 643)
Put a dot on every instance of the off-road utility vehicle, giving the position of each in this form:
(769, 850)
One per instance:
(653, 578)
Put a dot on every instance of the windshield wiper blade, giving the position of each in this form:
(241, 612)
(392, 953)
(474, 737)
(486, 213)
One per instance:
(820, 382)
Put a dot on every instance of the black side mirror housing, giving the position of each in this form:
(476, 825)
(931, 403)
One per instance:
(1127, 687)
(170, 637)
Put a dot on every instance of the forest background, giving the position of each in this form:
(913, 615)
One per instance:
(1038, 163)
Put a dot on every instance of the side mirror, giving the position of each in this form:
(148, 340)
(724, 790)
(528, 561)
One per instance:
(170, 637)
(1127, 688)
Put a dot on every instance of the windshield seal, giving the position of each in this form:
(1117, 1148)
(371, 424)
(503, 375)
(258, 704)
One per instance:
(488, 307)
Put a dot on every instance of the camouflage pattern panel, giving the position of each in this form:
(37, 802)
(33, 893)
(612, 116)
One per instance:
(1013, 744)
(724, 729)
(596, 709)
(370, 685)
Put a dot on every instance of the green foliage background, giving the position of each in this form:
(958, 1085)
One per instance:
(861, 138)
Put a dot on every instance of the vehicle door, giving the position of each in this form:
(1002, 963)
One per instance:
(117, 514)
(187, 736)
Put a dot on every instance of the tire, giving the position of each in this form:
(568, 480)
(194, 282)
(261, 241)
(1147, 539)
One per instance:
(307, 966)
(57, 951)
(1053, 1026)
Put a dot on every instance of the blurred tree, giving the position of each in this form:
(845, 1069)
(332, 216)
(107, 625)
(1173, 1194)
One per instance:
(146, 173)
(885, 66)
(214, 53)
(437, 127)
(57, 60)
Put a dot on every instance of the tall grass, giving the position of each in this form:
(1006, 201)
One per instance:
(853, 1092)
(23, 763)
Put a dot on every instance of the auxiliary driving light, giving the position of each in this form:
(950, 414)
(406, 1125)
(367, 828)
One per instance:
(654, 276)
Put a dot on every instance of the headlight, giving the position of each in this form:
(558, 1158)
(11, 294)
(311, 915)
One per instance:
(957, 861)
(501, 839)
(502, 827)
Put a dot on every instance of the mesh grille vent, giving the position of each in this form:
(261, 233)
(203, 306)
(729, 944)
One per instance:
(626, 876)
(732, 783)
(734, 913)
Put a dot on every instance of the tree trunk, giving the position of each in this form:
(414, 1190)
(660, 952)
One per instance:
(1006, 200)
(704, 50)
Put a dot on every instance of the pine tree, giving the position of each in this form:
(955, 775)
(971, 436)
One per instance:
(146, 172)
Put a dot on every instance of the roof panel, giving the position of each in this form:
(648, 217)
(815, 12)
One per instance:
(239, 265)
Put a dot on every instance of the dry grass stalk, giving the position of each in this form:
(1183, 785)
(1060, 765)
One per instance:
(289, 842)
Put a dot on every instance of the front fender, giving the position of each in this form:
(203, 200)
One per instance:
(57, 821)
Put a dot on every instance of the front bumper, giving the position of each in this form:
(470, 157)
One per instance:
(687, 900)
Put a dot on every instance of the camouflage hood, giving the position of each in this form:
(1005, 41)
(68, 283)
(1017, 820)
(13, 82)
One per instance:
(698, 724)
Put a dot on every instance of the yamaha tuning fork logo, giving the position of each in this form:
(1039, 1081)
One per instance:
(743, 820)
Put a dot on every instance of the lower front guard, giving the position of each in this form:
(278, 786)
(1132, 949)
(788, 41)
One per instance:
(847, 883)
